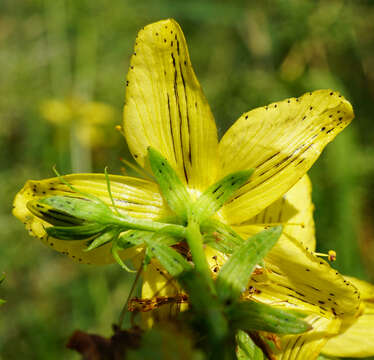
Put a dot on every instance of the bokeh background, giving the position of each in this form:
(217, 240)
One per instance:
(62, 81)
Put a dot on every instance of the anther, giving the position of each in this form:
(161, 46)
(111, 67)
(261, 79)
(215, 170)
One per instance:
(331, 255)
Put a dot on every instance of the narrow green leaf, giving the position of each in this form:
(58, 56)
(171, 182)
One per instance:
(79, 232)
(235, 273)
(247, 349)
(171, 260)
(172, 188)
(216, 195)
(250, 315)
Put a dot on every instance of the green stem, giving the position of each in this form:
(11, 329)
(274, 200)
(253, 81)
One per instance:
(138, 224)
(195, 243)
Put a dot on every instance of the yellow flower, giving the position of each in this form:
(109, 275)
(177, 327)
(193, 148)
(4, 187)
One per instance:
(165, 108)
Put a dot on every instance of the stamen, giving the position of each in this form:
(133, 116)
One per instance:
(285, 223)
(331, 255)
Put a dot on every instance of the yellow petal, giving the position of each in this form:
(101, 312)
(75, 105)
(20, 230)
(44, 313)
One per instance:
(307, 346)
(136, 197)
(294, 210)
(366, 290)
(296, 279)
(281, 142)
(165, 106)
(357, 340)
(158, 283)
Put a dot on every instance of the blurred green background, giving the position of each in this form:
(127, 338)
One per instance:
(57, 56)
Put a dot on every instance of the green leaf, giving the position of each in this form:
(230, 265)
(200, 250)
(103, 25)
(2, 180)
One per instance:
(235, 273)
(172, 188)
(250, 315)
(324, 357)
(79, 232)
(247, 349)
(171, 260)
(212, 199)
(220, 236)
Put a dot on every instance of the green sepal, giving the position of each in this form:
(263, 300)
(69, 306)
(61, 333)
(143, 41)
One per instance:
(170, 259)
(172, 188)
(102, 239)
(212, 199)
(79, 232)
(132, 238)
(220, 236)
(233, 278)
(115, 253)
(247, 349)
(250, 315)
(68, 211)
(51, 215)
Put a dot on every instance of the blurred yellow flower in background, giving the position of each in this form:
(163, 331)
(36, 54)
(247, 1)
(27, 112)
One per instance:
(89, 117)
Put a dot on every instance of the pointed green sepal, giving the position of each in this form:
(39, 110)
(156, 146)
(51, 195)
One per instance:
(117, 257)
(234, 276)
(220, 236)
(247, 349)
(70, 211)
(171, 260)
(172, 188)
(79, 232)
(102, 239)
(250, 315)
(132, 238)
(212, 199)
